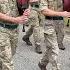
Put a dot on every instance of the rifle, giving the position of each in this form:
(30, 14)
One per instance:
(24, 7)
(21, 8)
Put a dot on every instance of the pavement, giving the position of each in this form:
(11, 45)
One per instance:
(27, 59)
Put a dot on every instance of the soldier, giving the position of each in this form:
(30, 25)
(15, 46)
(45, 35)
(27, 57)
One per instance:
(53, 11)
(8, 31)
(34, 27)
(59, 31)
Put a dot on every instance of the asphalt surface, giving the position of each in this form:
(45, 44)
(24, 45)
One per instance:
(27, 59)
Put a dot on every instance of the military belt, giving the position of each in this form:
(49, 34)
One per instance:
(54, 17)
(8, 26)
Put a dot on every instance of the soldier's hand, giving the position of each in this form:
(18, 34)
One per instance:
(21, 19)
(27, 12)
(66, 14)
(24, 18)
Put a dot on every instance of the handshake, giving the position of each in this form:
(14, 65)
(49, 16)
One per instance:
(24, 18)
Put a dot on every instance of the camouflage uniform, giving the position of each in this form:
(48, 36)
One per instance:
(8, 36)
(34, 28)
(52, 49)
(57, 5)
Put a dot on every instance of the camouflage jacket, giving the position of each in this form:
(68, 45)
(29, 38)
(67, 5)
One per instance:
(56, 5)
(9, 7)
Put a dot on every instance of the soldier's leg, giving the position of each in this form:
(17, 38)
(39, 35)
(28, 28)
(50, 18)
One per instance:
(37, 39)
(27, 35)
(52, 50)
(8, 44)
(14, 40)
(36, 31)
(5, 52)
(59, 25)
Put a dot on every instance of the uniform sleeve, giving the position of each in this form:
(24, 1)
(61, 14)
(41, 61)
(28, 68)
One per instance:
(43, 4)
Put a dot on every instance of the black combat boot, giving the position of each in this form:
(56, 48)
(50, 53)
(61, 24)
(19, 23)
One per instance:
(61, 46)
(42, 67)
(27, 41)
(38, 49)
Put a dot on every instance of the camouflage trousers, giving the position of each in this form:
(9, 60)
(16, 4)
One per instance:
(52, 49)
(8, 44)
(59, 25)
(34, 27)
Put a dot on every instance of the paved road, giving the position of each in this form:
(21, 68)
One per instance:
(26, 58)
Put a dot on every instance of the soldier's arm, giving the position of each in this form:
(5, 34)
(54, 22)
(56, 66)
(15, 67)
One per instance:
(48, 12)
(16, 20)
(7, 18)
